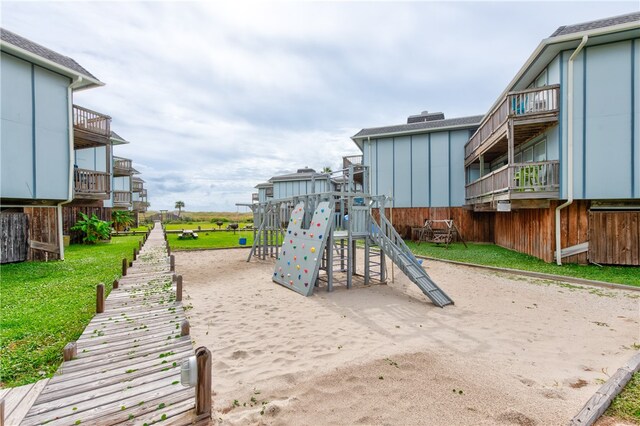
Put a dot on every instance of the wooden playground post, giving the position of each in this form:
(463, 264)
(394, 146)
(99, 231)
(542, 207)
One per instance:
(100, 298)
(70, 351)
(179, 288)
(203, 386)
(185, 328)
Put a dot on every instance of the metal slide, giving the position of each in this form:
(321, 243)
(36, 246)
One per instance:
(393, 246)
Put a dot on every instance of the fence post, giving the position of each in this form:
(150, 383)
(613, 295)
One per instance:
(70, 351)
(172, 263)
(179, 288)
(1, 412)
(100, 298)
(135, 253)
(184, 328)
(115, 284)
(203, 387)
(124, 266)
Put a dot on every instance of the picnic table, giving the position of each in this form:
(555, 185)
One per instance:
(187, 234)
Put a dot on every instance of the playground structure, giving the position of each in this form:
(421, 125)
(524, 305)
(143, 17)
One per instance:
(314, 238)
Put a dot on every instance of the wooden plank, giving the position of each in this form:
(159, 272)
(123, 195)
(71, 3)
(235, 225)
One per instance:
(14, 397)
(20, 411)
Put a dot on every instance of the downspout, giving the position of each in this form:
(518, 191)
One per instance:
(70, 88)
(569, 148)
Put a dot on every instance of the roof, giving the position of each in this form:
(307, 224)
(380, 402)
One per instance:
(264, 185)
(600, 23)
(116, 139)
(66, 63)
(299, 176)
(425, 126)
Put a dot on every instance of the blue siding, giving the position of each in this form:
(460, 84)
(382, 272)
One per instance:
(636, 118)
(420, 170)
(608, 144)
(402, 171)
(456, 167)
(17, 167)
(385, 167)
(440, 169)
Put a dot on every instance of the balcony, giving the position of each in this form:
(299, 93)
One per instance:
(90, 128)
(90, 184)
(140, 206)
(137, 185)
(521, 116)
(521, 181)
(122, 199)
(122, 167)
(254, 197)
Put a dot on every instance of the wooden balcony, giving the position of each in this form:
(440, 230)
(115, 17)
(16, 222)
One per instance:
(122, 199)
(91, 185)
(355, 160)
(140, 206)
(521, 181)
(90, 128)
(521, 116)
(137, 185)
(254, 197)
(122, 166)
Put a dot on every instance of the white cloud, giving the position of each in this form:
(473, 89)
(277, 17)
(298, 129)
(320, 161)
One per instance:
(216, 97)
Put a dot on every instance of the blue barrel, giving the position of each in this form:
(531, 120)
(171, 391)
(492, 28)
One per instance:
(242, 241)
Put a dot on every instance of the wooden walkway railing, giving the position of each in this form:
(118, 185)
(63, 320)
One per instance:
(125, 367)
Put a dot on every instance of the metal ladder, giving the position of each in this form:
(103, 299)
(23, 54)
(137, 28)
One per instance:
(393, 246)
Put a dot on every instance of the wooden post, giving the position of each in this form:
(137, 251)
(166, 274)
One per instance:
(100, 298)
(179, 288)
(124, 266)
(1, 412)
(184, 327)
(203, 386)
(70, 351)
(172, 263)
(115, 284)
(135, 253)
(139, 245)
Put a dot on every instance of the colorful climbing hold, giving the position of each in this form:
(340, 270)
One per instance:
(306, 271)
(298, 267)
(320, 236)
(318, 225)
(313, 249)
(294, 258)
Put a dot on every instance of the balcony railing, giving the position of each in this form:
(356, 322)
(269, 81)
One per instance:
(122, 166)
(91, 121)
(254, 197)
(521, 180)
(122, 198)
(356, 160)
(523, 104)
(90, 182)
(137, 186)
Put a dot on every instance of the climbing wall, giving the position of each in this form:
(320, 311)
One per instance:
(301, 253)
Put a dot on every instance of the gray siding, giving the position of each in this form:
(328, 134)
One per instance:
(606, 144)
(288, 189)
(35, 135)
(420, 170)
(440, 169)
(456, 167)
(402, 171)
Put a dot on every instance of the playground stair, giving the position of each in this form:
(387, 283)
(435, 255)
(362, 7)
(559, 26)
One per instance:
(393, 246)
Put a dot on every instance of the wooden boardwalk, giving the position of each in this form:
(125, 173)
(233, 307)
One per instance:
(127, 367)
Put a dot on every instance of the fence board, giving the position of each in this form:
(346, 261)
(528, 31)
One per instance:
(70, 215)
(43, 228)
(614, 237)
(14, 229)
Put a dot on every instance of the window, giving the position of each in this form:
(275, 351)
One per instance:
(540, 151)
(527, 155)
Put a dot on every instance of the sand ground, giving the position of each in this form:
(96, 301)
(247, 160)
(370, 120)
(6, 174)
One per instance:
(512, 350)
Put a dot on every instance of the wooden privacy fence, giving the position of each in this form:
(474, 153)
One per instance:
(614, 237)
(14, 241)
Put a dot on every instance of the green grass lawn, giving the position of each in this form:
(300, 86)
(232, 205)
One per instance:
(204, 225)
(44, 306)
(206, 240)
(627, 405)
(492, 255)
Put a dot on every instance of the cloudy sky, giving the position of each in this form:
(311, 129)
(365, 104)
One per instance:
(216, 97)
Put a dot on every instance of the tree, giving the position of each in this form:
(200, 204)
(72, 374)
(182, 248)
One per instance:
(121, 219)
(326, 169)
(179, 206)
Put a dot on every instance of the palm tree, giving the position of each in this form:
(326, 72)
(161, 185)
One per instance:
(121, 219)
(179, 206)
(326, 169)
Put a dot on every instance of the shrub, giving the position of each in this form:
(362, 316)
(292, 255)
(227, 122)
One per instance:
(93, 228)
